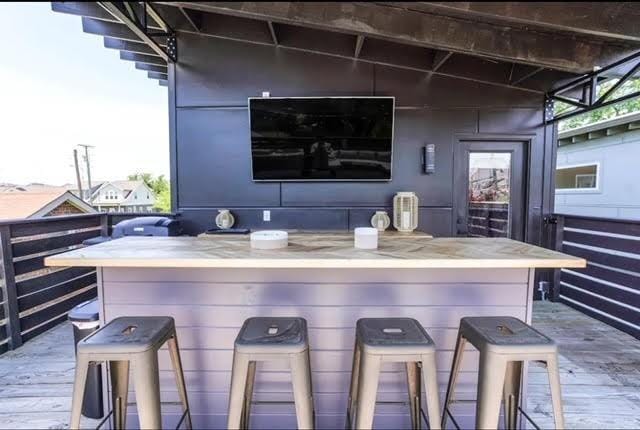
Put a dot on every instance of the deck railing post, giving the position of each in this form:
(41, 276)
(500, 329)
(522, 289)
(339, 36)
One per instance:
(559, 233)
(8, 279)
(105, 224)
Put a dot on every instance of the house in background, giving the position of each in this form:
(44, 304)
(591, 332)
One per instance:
(18, 202)
(122, 196)
(598, 169)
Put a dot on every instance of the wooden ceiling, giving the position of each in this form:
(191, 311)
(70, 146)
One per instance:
(530, 46)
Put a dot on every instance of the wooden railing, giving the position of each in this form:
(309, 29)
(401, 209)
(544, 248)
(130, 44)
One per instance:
(609, 287)
(34, 298)
(488, 219)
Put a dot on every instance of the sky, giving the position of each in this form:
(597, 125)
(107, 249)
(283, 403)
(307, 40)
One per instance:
(59, 88)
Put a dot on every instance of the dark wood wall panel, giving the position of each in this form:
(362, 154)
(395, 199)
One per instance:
(214, 161)
(215, 77)
(214, 72)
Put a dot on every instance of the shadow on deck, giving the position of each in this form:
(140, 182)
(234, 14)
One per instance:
(600, 372)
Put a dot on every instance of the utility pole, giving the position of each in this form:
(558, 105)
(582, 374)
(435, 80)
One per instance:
(75, 159)
(88, 164)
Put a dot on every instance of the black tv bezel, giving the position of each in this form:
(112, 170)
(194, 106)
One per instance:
(393, 121)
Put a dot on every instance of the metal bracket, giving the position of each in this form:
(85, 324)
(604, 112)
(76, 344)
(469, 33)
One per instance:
(139, 25)
(587, 85)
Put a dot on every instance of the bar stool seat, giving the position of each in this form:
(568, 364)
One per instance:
(401, 340)
(504, 343)
(393, 336)
(266, 339)
(128, 335)
(272, 335)
(505, 335)
(132, 341)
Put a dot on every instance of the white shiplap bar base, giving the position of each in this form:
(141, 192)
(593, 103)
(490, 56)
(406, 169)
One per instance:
(210, 305)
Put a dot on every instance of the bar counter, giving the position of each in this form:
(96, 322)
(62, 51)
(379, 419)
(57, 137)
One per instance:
(210, 285)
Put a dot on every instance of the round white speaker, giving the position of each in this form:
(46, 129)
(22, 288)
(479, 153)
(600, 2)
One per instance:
(269, 239)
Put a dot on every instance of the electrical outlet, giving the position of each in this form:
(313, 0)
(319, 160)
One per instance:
(266, 94)
(266, 215)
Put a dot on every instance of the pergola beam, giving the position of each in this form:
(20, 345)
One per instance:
(129, 46)
(142, 59)
(511, 44)
(613, 20)
(152, 68)
(157, 75)
(358, 49)
(137, 29)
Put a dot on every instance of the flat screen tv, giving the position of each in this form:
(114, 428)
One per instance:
(321, 139)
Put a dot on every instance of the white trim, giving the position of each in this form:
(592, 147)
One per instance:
(620, 320)
(596, 189)
(598, 296)
(67, 196)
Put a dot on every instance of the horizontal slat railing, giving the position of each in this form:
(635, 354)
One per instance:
(34, 298)
(609, 287)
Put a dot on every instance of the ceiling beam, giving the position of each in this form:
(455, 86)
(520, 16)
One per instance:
(555, 51)
(359, 43)
(152, 68)
(141, 58)
(110, 29)
(612, 20)
(158, 75)
(517, 77)
(163, 83)
(89, 10)
(440, 58)
(194, 17)
(129, 46)
(135, 28)
(272, 31)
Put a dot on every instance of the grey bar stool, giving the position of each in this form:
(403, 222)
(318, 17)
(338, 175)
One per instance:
(504, 344)
(401, 340)
(136, 341)
(266, 339)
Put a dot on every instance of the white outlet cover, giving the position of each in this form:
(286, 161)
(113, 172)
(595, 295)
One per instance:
(266, 94)
(266, 215)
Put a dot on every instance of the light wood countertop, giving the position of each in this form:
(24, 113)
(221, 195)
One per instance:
(332, 250)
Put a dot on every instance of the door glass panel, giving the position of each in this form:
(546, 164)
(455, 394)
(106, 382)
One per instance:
(489, 194)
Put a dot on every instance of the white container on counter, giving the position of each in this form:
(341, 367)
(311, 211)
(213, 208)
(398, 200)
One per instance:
(366, 238)
(269, 239)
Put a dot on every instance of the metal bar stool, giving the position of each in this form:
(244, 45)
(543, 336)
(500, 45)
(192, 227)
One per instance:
(266, 339)
(136, 341)
(504, 344)
(401, 340)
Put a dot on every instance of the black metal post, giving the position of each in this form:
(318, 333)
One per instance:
(554, 295)
(7, 275)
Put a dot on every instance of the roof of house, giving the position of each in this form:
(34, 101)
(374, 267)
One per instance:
(125, 186)
(33, 204)
(596, 130)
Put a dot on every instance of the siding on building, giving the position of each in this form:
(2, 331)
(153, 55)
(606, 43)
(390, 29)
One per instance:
(618, 194)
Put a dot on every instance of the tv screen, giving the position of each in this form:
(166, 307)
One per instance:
(321, 139)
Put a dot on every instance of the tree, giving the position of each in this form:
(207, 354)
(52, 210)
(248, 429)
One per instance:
(160, 187)
(608, 112)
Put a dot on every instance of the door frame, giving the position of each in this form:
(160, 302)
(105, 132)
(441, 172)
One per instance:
(460, 175)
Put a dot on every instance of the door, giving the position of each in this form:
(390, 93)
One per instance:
(489, 186)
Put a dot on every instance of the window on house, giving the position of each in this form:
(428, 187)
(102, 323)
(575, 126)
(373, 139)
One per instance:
(578, 177)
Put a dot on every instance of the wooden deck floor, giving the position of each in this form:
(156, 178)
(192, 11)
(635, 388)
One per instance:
(600, 375)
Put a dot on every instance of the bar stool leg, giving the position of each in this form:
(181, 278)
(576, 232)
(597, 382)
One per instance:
(556, 392)
(367, 390)
(147, 385)
(82, 369)
(236, 395)
(430, 375)
(511, 393)
(415, 393)
(174, 352)
(453, 376)
(353, 388)
(492, 373)
(248, 395)
(119, 372)
(302, 394)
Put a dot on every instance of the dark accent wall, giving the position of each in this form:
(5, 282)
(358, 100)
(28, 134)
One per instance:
(210, 146)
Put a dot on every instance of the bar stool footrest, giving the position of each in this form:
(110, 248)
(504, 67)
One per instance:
(182, 417)
(455, 423)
